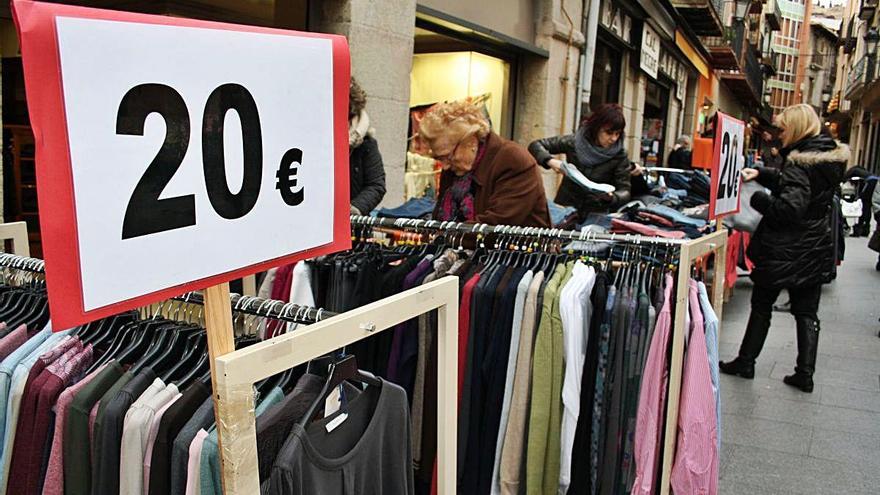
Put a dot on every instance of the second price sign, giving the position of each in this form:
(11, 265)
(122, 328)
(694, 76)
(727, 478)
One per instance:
(180, 153)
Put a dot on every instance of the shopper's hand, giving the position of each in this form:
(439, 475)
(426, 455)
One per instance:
(555, 165)
(606, 197)
(749, 174)
(636, 170)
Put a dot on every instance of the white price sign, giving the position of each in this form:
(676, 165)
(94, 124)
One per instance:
(176, 154)
(729, 160)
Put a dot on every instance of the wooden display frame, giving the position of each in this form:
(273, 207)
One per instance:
(17, 232)
(233, 373)
(690, 251)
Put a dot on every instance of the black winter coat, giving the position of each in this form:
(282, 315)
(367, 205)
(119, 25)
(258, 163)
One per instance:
(793, 244)
(615, 172)
(366, 176)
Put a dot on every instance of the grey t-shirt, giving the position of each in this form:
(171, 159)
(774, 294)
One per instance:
(369, 453)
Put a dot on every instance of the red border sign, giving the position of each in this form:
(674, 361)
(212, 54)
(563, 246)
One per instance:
(725, 125)
(43, 81)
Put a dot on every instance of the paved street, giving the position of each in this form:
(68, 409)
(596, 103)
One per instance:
(777, 440)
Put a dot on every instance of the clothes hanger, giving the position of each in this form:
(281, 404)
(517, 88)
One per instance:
(339, 370)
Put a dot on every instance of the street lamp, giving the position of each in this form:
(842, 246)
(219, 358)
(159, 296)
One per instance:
(740, 8)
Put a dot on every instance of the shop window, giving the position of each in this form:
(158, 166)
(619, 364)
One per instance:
(450, 76)
(654, 124)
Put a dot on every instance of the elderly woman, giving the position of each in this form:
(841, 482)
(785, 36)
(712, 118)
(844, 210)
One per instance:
(485, 178)
(596, 149)
(792, 247)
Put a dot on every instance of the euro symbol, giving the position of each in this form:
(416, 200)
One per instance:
(287, 177)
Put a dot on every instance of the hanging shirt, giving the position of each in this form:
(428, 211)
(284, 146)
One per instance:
(34, 429)
(202, 419)
(171, 424)
(695, 469)
(194, 464)
(512, 453)
(12, 341)
(109, 426)
(545, 418)
(518, 309)
(710, 320)
(368, 453)
(301, 289)
(16, 389)
(77, 440)
(54, 480)
(599, 399)
(135, 434)
(151, 441)
(573, 305)
(652, 401)
(7, 368)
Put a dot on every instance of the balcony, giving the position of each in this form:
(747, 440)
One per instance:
(855, 83)
(747, 83)
(770, 61)
(703, 16)
(869, 8)
(773, 15)
(727, 48)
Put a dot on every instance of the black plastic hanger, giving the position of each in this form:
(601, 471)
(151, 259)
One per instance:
(343, 369)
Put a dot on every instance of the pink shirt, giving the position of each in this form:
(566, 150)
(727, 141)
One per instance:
(12, 340)
(151, 439)
(193, 466)
(695, 469)
(652, 401)
(618, 225)
(54, 481)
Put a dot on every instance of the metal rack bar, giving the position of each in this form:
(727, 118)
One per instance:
(484, 229)
(266, 308)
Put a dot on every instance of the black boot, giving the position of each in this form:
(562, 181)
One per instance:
(808, 343)
(753, 342)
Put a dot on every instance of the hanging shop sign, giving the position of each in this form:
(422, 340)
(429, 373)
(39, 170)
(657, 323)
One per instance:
(650, 57)
(176, 154)
(728, 162)
(615, 20)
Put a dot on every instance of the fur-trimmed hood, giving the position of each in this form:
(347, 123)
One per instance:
(807, 158)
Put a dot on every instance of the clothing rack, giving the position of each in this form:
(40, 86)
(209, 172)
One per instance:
(267, 308)
(486, 229)
(689, 251)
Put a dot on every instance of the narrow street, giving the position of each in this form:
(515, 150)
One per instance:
(777, 440)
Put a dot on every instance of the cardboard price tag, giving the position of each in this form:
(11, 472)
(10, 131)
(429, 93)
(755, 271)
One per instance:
(175, 154)
(728, 162)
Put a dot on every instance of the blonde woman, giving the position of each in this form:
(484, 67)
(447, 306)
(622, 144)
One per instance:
(485, 178)
(792, 247)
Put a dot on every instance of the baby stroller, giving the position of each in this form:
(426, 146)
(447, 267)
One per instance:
(851, 203)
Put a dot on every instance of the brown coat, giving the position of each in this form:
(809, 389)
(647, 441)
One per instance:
(507, 186)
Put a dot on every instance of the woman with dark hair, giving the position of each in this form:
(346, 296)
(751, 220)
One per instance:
(596, 150)
(366, 171)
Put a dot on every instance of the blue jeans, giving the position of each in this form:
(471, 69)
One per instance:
(414, 208)
(675, 216)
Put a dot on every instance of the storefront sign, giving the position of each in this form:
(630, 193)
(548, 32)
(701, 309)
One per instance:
(675, 70)
(728, 162)
(177, 154)
(614, 19)
(650, 57)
